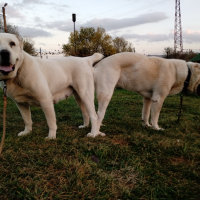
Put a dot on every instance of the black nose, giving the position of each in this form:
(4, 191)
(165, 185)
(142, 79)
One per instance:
(5, 57)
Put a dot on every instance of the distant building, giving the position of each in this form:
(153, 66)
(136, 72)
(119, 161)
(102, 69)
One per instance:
(196, 58)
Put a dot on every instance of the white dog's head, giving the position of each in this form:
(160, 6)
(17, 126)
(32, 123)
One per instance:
(11, 55)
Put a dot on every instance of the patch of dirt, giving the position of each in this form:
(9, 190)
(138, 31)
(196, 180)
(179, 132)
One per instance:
(177, 161)
(119, 141)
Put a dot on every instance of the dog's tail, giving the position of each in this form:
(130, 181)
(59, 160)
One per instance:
(95, 58)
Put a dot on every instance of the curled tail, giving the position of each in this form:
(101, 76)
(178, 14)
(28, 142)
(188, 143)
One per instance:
(96, 57)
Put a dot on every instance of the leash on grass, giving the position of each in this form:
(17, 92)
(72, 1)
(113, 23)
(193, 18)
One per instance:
(4, 116)
(181, 106)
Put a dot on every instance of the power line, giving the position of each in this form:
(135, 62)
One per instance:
(114, 9)
(135, 10)
(102, 12)
(104, 20)
(122, 14)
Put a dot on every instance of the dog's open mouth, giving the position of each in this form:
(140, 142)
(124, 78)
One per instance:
(5, 70)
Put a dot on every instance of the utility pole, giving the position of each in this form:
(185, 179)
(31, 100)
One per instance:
(167, 52)
(74, 20)
(178, 42)
(4, 17)
(40, 53)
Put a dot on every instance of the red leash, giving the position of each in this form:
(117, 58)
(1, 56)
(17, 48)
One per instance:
(4, 116)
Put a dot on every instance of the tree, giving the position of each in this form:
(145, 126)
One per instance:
(85, 39)
(122, 45)
(1, 24)
(89, 41)
(107, 47)
(187, 55)
(28, 46)
(28, 43)
(103, 42)
(10, 28)
(168, 52)
(13, 30)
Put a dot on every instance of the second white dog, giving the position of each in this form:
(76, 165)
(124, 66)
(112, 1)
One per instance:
(152, 77)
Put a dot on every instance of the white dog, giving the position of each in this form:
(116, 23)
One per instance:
(35, 81)
(152, 77)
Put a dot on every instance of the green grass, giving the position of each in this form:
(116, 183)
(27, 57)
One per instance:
(131, 162)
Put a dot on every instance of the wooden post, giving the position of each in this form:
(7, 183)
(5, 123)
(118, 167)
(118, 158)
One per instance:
(4, 19)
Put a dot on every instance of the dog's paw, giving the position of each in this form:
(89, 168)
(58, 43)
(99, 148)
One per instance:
(93, 136)
(158, 128)
(22, 133)
(146, 125)
(102, 134)
(82, 126)
(50, 138)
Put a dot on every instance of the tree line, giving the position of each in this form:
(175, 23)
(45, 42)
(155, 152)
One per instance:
(187, 55)
(88, 41)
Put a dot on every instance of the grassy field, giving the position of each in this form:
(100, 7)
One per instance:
(131, 162)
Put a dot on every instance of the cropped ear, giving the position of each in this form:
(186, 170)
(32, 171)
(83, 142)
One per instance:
(20, 42)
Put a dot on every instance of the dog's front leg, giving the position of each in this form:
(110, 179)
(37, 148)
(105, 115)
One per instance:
(155, 112)
(48, 108)
(26, 115)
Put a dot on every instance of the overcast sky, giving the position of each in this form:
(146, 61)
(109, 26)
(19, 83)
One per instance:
(147, 24)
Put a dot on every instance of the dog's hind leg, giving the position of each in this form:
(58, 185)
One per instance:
(105, 85)
(88, 100)
(26, 115)
(146, 111)
(83, 109)
(85, 91)
(103, 101)
(104, 95)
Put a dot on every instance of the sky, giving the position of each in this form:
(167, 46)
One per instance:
(147, 24)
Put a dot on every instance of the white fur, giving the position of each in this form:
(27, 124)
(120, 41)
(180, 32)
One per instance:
(42, 82)
(152, 77)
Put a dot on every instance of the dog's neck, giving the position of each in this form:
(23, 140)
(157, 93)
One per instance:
(187, 81)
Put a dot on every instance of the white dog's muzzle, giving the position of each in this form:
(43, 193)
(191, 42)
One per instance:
(5, 66)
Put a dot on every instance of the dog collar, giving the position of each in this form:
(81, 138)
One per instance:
(187, 81)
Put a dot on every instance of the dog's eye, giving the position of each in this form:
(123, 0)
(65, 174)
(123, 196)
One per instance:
(12, 44)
